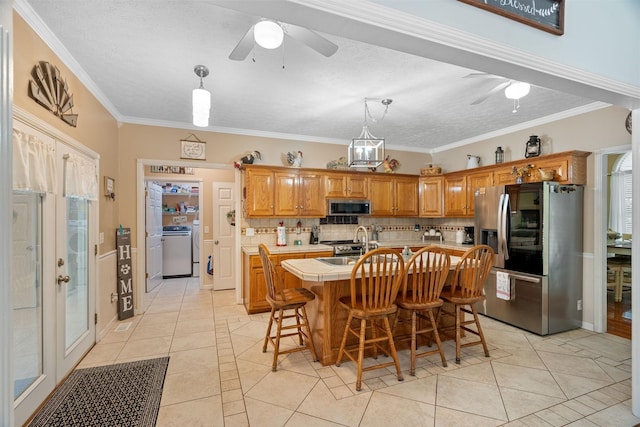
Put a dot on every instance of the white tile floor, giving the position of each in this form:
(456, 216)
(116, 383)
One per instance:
(218, 375)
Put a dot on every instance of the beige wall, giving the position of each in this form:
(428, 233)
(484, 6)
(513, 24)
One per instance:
(96, 129)
(158, 143)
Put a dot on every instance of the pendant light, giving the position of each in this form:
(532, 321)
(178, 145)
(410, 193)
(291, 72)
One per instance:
(366, 150)
(201, 99)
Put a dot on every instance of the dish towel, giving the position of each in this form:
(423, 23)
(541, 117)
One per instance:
(503, 285)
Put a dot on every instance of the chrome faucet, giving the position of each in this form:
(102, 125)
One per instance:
(366, 237)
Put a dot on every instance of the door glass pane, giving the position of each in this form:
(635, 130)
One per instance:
(76, 296)
(26, 287)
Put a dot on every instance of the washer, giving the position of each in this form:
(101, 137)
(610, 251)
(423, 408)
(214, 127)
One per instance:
(195, 235)
(176, 251)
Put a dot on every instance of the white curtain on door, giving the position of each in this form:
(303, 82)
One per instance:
(80, 178)
(620, 193)
(34, 163)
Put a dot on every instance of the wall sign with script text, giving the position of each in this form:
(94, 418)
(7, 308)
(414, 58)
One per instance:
(125, 275)
(546, 15)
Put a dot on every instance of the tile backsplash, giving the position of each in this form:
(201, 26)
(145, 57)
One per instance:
(392, 229)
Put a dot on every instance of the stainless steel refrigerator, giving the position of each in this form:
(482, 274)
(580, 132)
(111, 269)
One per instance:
(536, 232)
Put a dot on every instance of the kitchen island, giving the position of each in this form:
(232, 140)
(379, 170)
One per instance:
(326, 315)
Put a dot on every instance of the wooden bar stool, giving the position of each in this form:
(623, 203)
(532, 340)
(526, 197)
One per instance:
(619, 266)
(285, 304)
(424, 276)
(467, 288)
(375, 281)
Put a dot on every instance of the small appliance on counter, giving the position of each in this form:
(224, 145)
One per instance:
(315, 235)
(469, 238)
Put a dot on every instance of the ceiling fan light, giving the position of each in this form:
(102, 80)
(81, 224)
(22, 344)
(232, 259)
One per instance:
(517, 90)
(268, 34)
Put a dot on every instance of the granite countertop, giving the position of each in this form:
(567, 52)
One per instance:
(312, 270)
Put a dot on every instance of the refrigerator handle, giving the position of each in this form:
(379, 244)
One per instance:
(503, 223)
(499, 227)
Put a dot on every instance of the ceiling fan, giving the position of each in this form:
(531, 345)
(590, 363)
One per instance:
(513, 89)
(270, 35)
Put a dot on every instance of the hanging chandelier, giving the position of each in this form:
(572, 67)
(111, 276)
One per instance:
(201, 99)
(367, 151)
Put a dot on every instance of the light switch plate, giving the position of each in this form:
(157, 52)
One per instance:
(206, 228)
(101, 237)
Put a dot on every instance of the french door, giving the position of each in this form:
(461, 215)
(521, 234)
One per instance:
(53, 286)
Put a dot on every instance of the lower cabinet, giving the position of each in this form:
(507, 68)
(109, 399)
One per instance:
(254, 284)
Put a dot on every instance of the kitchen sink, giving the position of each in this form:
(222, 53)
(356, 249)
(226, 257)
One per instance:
(340, 260)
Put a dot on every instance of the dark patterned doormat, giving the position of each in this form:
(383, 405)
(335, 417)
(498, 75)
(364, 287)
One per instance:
(126, 394)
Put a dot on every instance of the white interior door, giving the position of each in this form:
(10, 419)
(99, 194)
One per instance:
(154, 235)
(223, 236)
(75, 272)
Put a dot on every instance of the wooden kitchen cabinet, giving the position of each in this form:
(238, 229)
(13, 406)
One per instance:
(569, 168)
(430, 196)
(299, 194)
(254, 282)
(393, 196)
(459, 189)
(259, 193)
(284, 192)
(347, 184)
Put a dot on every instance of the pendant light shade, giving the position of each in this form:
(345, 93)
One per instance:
(268, 34)
(367, 151)
(201, 99)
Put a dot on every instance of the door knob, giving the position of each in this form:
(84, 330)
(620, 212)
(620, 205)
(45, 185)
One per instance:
(216, 242)
(64, 279)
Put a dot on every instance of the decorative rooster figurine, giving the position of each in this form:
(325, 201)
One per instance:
(294, 158)
(390, 165)
(248, 159)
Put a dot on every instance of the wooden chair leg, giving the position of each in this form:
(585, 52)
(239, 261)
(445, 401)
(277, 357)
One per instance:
(268, 335)
(480, 333)
(344, 339)
(312, 347)
(363, 331)
(457, 334)
(299, 326)
(276, 344)
(414, 343)
(392, 346)
(436, 335)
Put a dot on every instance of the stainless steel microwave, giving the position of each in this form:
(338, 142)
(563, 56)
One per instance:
(348, 207)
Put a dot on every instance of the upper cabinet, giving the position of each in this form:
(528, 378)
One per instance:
(347, 184)
(299, 193)
(393, 195)
(430, 196)
(284, 192)
(459, 190)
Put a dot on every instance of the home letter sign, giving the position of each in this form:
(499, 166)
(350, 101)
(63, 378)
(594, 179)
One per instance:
(125, 285)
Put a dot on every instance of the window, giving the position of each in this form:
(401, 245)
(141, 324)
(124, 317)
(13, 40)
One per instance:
(620, 209)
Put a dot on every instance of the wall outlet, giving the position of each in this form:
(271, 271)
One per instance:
(579, 305)
(249, 231)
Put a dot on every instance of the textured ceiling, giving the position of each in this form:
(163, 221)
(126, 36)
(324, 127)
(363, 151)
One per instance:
(139, 57)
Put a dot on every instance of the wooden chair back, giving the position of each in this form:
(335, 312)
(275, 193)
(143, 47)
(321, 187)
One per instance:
(376, 279)
(472, 271)
(270, 275)
(425, 275)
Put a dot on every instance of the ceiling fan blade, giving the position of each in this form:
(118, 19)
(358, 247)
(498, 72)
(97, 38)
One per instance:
(244, 46)
(311, 39)
(491, 92)
(482, 75)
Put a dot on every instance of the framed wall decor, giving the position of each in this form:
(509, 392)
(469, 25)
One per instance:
(110, 187)
(194, 150)
(545, 15)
